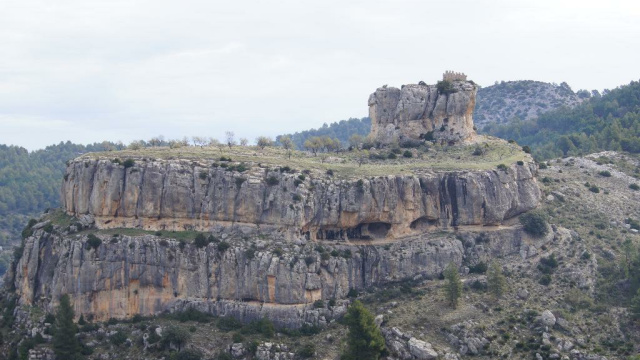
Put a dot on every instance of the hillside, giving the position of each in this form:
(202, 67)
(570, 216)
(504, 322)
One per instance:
(568, 293)
(30, 182)
(526, 99)
(340, 130)
(608, 122)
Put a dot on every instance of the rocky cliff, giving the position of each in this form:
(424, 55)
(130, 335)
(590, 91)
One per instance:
(195, 195)
(414, 111)
(252, 278)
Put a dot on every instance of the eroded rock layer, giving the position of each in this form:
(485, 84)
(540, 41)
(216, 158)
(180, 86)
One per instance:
(127, 275)
(188, 195)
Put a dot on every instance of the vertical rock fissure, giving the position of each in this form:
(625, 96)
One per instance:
(139, 202)
(165, 178)
(122, 192)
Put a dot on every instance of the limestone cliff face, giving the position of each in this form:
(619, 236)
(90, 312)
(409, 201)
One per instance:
(415, 110)
(128, 275)
(186, 195)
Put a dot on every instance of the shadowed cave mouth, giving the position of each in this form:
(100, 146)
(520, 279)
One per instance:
(364, 231)
(423, 223)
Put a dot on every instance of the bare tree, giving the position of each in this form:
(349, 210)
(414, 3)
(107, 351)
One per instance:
(264, 141)
(287, 144)
(244, 141)
(135, 145)
(355, 141)
(231, 138)
(156, 141)
(198, 141)
(314, 144)
(213, 142)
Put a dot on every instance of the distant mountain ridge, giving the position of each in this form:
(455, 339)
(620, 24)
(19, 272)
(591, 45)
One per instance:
(524, 99)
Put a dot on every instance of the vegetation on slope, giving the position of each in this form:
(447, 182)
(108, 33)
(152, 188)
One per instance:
(525, 100)
(608, 122)
(341, 130)
(30, 182)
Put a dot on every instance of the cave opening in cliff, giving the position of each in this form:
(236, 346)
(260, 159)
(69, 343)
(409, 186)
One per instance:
(364, 231)
(423, 223)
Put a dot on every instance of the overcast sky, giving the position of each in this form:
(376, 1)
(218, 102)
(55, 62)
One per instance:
(89, 70)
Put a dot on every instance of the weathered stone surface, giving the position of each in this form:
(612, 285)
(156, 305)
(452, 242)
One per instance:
(173, 195)
(149, 274)
(417, 109)
(547, 318)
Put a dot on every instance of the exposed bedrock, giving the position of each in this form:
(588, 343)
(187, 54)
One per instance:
(187, 195)
(415, 110)
(253, 278)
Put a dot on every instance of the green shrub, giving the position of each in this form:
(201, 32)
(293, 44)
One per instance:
(48, 228)
(605, 173)
(263, 327)
(237, 338)
(223, 158)
(250, 253)
(407, 154)
(309, 260)
(228, 323)
(479, 268)
(163, 243)
(534, 223)
(477, 151)
(191, 314)
(503, 167)
(240, 181)
(545, 280)
(278, 252)
(296, 198)
(200, 241)
(547, 265)
(93, 241)
(543, 166)
(520, 162)
(594, 189)
(526, 149)
(634, 187)
(189, 354)
(118, 338)
(307, 351)
(204, 175)
(445, 87)
(297, 182)
(318, 304)
(128, 163)
(223, 246)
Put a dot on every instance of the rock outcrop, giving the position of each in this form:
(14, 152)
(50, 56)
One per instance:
(252, 279)
(189, 195)
(418, 111)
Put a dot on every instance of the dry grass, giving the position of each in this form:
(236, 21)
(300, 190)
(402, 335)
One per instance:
(345, 164)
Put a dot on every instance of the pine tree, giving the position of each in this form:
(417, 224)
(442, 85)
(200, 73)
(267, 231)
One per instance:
(65, 343)
(453, 287)
(496, 281)
(365, 341)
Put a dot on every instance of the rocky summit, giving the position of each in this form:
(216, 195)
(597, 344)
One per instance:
(443, 112)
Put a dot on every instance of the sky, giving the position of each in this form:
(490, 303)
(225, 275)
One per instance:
(89, 71)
